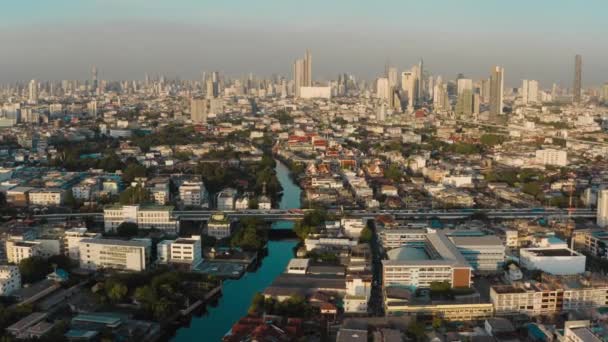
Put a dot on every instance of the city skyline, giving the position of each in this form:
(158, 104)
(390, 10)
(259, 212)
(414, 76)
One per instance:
(126, 40)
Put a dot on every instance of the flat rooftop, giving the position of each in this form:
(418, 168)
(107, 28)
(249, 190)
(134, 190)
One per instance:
(408, 253)
(552, 252)
(128, 243)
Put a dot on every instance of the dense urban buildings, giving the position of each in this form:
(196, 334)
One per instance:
(242, 199)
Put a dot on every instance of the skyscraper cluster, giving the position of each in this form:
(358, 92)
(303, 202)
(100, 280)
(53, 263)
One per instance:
(302, 72)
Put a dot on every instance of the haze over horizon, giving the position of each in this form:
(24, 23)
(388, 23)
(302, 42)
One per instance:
(62, 39)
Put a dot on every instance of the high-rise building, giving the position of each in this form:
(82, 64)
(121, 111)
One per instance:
(393, 77)
(408, 85)
(467, 103)
(33, 91)
(198, 110)
(464, 84)
(529, 91)
(578, 75)
(94, 78)
(420, 81)
(302, 73)
(604, 94)
(485, 91)
(497, 90)
(383, 88)
(602, 208)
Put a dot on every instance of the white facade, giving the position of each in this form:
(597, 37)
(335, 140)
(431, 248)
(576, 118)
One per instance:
(562, 261)
(146, 217)
(113, 254)
(315, 92)
(219, 226)
(193, 194)
(602, 208)
(72, 240)
(352, 227)
(552, 157)
(10, 279)
(19, 250)
(51, 197)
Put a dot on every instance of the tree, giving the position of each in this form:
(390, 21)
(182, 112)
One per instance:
(366, 235)
(69, 200)
(134, 195)
(132, 171)
(257, 304)
(416, 329)
(127, 229)
(437, 323)
(440, 287)
(116, 291)
(34, 269)
(491, 140)
(393, 173)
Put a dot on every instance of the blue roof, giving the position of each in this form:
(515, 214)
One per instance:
(77, 333)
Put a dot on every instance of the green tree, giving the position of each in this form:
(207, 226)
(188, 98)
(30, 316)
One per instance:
(394, 173)
(116, 291)
(132, 171)
(127, 229)
(134, 195)
(366, 235)
(257, 304)
(416, 329)
(437, 323)
(491, 140)
(34, 269)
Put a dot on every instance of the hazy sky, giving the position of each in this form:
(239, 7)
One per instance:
(534, 39)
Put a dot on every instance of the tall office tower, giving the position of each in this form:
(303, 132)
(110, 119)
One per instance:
(209, 89)
(33, 91)
(497, 91)
(383, 88)
(408, 85)
(529, 91)
(440, 96)
(94, 78)
(467, 103)
(298, 76)
(430, 86)
(464, 84)
(602, 208)
(308, 69)
(485, 91)
(578, 75)
(420, 85)
(198, 110)
(393, 77)
(215, 77)
(604, 93)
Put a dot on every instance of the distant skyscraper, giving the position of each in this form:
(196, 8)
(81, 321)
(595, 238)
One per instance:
(198, 110)
(604, 93)
(464, 84)
(529, 91)
(420, 81)
(408, 84)
(497, 91)
(94, 78)
(383, 88)
(602, 208)
(302, 73)
(578, 76)
(393, 76)
(33, 91)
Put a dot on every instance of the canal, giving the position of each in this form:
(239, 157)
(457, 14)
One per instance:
(237, 294)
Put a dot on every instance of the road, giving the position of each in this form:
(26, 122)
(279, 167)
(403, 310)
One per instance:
(282, 214)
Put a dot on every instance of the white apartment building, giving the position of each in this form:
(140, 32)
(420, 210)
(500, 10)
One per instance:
(19, 250)
(160, 195)
(193, 193)
(181, 251)
(72, 238)
(352, 227)
(394, 238)
(10, 279)
(551, 157)
(145, 216)
(358, 291)
(226, 199)
(114, 254)
(558, 261)
(46, 197)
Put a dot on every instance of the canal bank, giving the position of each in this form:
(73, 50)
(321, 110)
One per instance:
(237, 294)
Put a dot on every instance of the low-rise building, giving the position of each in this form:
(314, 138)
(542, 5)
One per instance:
(10, 279)
(19, 250)
(183, 251)
(98, 253)
(46, 197)
(72, 238)
(558, 261)
(219, 226)
(145, 216)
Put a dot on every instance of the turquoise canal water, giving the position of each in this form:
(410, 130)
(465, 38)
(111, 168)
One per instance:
(237, 294)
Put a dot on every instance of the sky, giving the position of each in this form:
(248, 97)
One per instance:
(531, 39)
